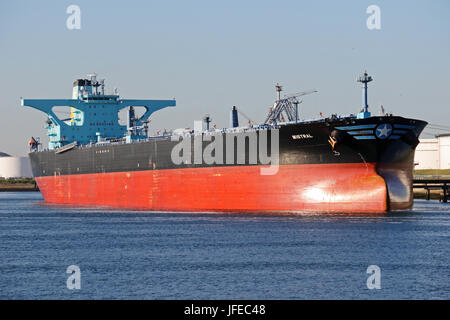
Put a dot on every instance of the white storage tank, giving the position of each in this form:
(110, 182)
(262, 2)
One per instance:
(433, 153)
(14, 167)
(427, 155)
(444, 151)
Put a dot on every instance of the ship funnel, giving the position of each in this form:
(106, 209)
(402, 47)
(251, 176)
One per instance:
(234, 120)
(207, 121)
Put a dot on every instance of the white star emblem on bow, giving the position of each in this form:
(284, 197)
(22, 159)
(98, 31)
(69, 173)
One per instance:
(383, 131)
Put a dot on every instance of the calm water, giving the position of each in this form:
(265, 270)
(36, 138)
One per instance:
(144, 255)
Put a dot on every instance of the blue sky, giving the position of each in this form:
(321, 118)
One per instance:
(211, 55)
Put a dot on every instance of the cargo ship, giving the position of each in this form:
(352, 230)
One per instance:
(351, 164)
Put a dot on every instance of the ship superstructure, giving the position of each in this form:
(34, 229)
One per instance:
(94, 116)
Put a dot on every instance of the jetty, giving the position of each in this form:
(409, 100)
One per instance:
(435, 187)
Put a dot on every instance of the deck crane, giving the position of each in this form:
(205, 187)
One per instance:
(286, 107)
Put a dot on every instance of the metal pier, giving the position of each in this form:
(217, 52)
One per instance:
(433, 184)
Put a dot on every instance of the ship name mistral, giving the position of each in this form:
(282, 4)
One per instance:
(302, 136)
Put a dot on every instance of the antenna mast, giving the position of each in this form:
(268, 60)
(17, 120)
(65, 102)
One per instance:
(364, 79)
(278, 88)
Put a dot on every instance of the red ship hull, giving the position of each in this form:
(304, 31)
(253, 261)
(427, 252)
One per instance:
(349, 188)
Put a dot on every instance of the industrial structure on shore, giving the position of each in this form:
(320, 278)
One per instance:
(433, 153)
(14, 167)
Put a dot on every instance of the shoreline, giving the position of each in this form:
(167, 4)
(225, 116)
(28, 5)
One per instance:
(17, 188)
(20, 184)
